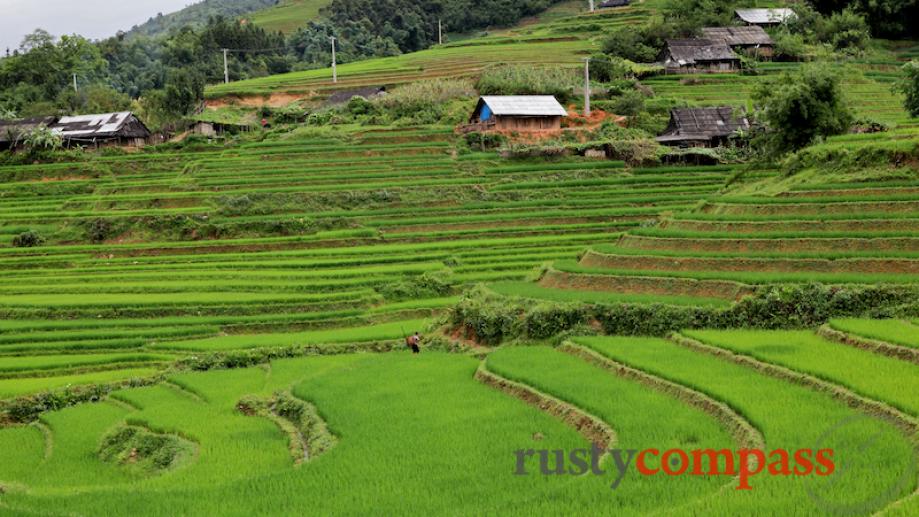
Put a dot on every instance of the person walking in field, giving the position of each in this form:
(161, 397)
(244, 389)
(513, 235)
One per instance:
(412, 342)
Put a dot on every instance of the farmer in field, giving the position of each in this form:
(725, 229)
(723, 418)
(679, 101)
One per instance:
(412, 342)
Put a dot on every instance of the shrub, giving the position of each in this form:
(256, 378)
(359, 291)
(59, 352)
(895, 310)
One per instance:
(28, 239)
(789, 47)
(528, 80)
(802, 106)
(484, 141)
(640, 44)
(845, 30)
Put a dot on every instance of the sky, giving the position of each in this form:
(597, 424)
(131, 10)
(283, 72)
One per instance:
(93, 19)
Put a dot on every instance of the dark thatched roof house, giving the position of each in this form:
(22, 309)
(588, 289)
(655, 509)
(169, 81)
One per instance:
(764, 17)
(614, 3)
(343, 96)
(517, 113)
(704, 127)
(121, 128)
(752, 39)
(699, 55)
(13, 132)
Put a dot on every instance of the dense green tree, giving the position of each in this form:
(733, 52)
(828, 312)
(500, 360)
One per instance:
(909, 86)
(886, 18)
(801, 106)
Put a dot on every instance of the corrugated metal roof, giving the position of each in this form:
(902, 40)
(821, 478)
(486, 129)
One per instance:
(765, 16)
(12, 130)
(704, 123)
(690, 51)
(91, 125)
(738, 36)
(525, 105)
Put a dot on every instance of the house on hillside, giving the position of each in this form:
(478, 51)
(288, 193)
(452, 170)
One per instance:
(344, 96)
(699, 56)
(517, 113)
(751, 40)
(13, 132)
(121, 128)
(764, 17)
(614, 3)
(704, 127)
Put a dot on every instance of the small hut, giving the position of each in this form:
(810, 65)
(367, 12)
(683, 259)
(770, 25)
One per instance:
(704, 127)
(764, 17)
(13, 132)
(121, 128)
(517, 113)
(751, 40)
(614, 3)
(699, 56)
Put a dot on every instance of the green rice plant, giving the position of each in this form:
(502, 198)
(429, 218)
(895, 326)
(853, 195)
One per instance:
(53, 362)
(530, 290)
(10, 388)
(897, 332)
(790, 417)
(381, 332)
(878, 377)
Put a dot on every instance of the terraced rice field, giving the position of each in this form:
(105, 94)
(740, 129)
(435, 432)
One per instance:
(302, 241)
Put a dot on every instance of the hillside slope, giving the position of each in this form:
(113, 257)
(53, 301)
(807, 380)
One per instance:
(198, 13)
(288, 15)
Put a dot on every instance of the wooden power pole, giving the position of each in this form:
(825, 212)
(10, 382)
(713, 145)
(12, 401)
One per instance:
(226, 67)
(586, 86)
(334, 64)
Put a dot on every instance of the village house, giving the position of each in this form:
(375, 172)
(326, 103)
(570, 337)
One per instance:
(704, 127)
(614, 3)
(102, 129)
(699, 56)
(764, 17)
(13, 132)
(751, 40)
(517, 113)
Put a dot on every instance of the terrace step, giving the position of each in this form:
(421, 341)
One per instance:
(664, 286)
(834, 225)
(741, 245)
(667, 263)
(816, 209)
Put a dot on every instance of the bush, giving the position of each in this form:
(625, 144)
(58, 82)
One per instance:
(28, 239)
(642, 44)
(529, 80)
(844, 30)
(802, 106)
(484, 141)
(789, 47)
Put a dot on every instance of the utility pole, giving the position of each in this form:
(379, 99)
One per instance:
(334, 65)
(75, 82)
(591, 5)
(440, 32)
(586, 86)
(226, 67)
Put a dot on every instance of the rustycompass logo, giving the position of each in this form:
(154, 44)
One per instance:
(745, 464)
